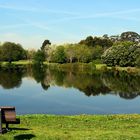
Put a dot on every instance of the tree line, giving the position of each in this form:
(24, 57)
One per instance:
(123, 50)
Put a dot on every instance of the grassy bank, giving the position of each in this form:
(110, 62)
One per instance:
(91, 66)
(83, 127)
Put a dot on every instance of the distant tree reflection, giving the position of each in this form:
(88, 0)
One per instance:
(45, 87)
(97, 83)
(129, 95)
(39, 74)
(117, 83)
(123, 84)
(10, 79)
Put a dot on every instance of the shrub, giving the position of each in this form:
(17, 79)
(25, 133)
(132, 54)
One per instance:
(122, 55)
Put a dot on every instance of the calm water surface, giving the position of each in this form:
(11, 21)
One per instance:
(58, 91)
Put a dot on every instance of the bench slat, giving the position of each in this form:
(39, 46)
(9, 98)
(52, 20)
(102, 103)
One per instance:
(17, 121)
(8, 115)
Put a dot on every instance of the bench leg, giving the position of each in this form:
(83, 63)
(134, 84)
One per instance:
(0, 122)
(7, 126)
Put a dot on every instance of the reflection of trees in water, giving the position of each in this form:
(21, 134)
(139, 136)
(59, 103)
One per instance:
(128, 95)
(45, 87)
(39, 74)
(90, 90)
(123, 84)
(120, 83)
(92, 84)
(87, 83)
(57, 76)
(11, 79)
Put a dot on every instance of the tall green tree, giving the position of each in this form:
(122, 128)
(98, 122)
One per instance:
(130, 36)
(83, 53)
(88, 41)
(59, 55)
(39, 57)
(46, 47)
(12, 52)
(70, 52)
(96, 52)
(45, 44)
(97, 41)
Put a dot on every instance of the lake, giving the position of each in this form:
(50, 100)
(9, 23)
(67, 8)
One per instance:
(62, 91)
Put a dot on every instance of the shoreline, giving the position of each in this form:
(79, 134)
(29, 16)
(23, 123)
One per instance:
(100, 67)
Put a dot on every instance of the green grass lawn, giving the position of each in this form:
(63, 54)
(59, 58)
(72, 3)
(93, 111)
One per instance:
(83, 127)
(22, 62)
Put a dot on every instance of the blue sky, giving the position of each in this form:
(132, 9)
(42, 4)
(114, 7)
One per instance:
(30, 22)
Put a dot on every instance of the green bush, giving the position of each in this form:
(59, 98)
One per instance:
(122, 55)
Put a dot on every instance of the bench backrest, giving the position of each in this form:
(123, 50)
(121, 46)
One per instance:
(8, 114)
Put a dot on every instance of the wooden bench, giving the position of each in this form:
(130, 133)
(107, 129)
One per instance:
(8, 116)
